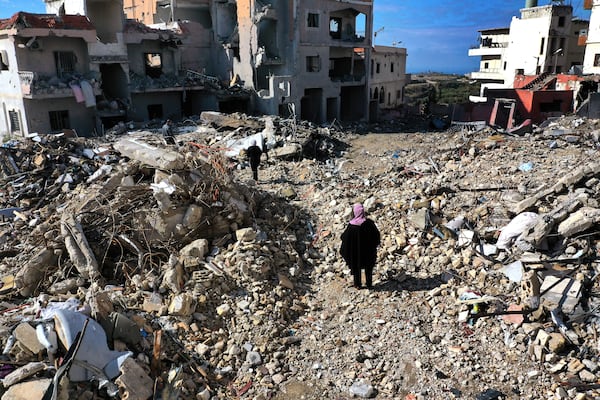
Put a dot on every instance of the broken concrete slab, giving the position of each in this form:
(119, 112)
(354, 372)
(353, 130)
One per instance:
(27, 336)
(193, 254)
(561, 292)
(150, 155)
(134, 383)
(28, 277)
(579, 221)
(27, 390)
(23, 373)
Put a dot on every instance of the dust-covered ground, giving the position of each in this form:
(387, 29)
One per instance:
(234, 289)
(404, 338)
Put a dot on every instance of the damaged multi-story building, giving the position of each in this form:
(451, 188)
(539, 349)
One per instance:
(545, 39)
(45, 60)
(304, 58)
(87, 64)
(84, 67)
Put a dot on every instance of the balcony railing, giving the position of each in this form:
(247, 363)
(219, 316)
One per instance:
(34, 85)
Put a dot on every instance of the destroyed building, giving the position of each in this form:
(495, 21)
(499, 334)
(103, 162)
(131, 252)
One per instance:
(48, 81)
(307, 59)
(591, 63)
(85, 67)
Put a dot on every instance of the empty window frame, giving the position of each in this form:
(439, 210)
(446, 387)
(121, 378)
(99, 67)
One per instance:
(335, 27)
(313, 63)
(392, 67)
(15, 123)
(59, 120)
(378, 68)
(153, 62)
(312, 20)
(561, 21)
(155, 111)
(542, 44)
(3, 60)
(65, 63)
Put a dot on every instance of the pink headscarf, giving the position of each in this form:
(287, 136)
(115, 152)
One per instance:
(359, 214)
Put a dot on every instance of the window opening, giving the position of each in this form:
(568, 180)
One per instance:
(59, 120)
(153, 63)
(3, 60)
(65, 63)
(15, 125)
(335, 27)
(313, 20)
(313, 64)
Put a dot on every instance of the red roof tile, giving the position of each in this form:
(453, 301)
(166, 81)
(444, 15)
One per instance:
(23, 20)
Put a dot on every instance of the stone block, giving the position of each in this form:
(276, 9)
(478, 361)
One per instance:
(245, 234)
(28, 390)
(193, 254)
(27, 336)
(134, 383)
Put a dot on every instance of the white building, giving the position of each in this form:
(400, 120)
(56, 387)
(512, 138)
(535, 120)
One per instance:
(545, 39)
(492, 46)
(591, 62)
(388, 77)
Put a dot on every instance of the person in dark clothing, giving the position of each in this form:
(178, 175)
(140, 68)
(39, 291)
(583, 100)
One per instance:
(360, 240)
(167, 132)
(254, 152)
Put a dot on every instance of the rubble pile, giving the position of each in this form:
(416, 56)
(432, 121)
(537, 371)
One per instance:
(132, 269)
(488, 271)
(145, 239)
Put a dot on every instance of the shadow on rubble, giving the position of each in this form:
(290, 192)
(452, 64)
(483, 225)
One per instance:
(322, 147)
(410, 283)
(407, 124)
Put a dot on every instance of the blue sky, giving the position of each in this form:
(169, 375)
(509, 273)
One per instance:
(436, 33)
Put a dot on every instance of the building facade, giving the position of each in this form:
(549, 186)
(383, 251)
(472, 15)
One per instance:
(492, 47)
(159, 59)
(591, 63)
(387, 78)
(47, 82)
(83, 66)
(545, 39)
(307, 58)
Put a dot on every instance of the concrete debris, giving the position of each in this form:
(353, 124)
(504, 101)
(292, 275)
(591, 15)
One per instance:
(134, 382)
(189, 279)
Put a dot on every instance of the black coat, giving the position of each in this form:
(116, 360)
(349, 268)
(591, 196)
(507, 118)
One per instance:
(359, 244)
(254, 152)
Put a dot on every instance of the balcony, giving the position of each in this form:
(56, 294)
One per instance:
(488, 74)
(185, 80)
(349, 80)
(495, 49)
(34, 86)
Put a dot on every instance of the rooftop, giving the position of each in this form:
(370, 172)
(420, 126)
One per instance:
(24, 20)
